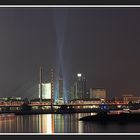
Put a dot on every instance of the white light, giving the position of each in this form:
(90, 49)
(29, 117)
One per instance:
(79, 75)
(49, 123)
(46, 90)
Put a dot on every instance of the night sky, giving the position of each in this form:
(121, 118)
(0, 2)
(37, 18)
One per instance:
(103, 43)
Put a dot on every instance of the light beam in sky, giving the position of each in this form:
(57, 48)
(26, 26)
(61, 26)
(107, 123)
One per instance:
(60, 16)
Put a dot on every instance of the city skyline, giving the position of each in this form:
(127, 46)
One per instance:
(102, 43)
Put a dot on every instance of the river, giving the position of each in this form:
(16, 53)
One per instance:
(62, 123)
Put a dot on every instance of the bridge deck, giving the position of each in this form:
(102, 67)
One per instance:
(46, 104)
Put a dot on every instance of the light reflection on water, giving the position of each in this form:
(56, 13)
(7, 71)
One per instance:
(61, 123)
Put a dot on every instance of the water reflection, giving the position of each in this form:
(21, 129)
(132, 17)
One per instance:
(45, 123)
(60, 123)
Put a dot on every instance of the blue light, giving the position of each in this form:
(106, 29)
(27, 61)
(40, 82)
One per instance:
(104, 107)
(60, 16)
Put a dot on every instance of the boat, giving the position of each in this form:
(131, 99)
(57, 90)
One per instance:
(118, 112)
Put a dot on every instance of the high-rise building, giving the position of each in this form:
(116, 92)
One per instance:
(98, 93)
(80, 86)
(72, 93)
(87, 94)
(60, 85)
(46, 90)
(52, 86)
(40, 84)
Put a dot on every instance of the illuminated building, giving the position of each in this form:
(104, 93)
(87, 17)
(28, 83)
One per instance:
(85, 101)
(133, 99)
(60, 86)
(46, 90)
(87, 94)
(99, 93)
(72, 93)
(60, 96)
(11, 98)
(60, 92)
(80, 86)
(117, 99)
(40, 84)
(60, 101)
(52, 86)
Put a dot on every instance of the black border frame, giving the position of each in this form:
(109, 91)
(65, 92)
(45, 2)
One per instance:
(69, 2)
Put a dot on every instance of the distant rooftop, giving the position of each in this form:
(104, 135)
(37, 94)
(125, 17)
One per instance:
(128, 95)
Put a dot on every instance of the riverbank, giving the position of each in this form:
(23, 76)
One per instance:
(33, 112)
(105, 117)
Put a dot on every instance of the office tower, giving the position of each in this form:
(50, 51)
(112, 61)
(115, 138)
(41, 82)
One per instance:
(52, 86)
(45, 86)
(40, 84)
(60, 84)
(80, 86)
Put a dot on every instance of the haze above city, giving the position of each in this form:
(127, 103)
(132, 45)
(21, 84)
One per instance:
(102, 43)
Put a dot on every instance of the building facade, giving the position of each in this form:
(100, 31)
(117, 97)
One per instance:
(99, 93)
(46, 90)
(131, 98)
(80, 86)
(89, 101)
(60, 88)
